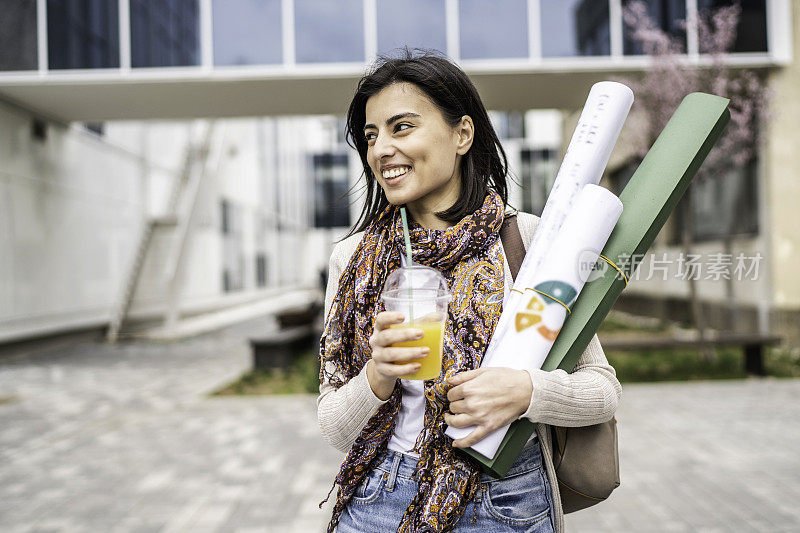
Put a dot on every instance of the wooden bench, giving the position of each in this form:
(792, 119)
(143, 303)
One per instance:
(752, 344)
(296, 333)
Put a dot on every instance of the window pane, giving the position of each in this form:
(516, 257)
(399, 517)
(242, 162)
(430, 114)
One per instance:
(726, 205)
(164, 33)
(82, 34)
(232, 246)
(331, 207)
(539, 169)
(247, 32)
(328, 31)
(18, 49)
(416, 24)
(751, 32)
(497, 29)
(575, 28)
(667, 15)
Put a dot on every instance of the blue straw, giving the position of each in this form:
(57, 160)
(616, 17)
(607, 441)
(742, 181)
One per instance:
(407, 236)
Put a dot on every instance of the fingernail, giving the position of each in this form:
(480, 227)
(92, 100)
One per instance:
(419, 334)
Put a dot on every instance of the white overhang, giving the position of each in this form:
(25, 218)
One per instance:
(195, 92)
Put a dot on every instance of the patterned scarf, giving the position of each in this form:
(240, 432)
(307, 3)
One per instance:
(469, 255)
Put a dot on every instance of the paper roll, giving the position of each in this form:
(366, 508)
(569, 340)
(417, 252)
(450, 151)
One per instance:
(556, 286)
(599, 125)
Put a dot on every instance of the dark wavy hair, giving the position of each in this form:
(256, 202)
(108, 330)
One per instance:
(483, 167)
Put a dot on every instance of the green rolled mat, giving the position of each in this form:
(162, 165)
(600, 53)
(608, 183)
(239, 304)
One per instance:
(650, 196)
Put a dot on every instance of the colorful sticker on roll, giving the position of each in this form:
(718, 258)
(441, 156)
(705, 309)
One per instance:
(541, 305)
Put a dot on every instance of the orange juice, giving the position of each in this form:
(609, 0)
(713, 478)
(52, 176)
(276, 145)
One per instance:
(432, 338)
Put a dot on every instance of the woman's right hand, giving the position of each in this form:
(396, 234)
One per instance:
(382, 373)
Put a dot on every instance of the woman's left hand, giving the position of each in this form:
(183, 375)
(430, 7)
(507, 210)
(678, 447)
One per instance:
(488, 398)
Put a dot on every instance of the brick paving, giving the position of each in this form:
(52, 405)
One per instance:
(126, 439)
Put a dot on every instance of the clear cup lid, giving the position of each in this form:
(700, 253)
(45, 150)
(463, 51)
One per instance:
(416, 282)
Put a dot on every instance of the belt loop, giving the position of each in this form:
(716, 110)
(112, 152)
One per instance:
(395, 468)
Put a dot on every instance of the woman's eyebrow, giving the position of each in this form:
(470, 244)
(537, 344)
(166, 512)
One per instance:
(393, 118)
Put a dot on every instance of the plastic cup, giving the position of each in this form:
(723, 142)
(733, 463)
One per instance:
(421, 295)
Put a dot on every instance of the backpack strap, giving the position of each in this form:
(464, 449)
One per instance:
(512, 244)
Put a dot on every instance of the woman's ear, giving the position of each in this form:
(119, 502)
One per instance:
(465, 130)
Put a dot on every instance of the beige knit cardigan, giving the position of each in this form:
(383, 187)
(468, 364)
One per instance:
(589, 395)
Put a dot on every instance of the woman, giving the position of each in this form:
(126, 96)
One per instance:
(426, 143)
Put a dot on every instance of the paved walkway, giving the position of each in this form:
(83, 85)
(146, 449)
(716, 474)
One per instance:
(124, 439)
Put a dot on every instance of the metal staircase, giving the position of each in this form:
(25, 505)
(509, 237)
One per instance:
(180, 213)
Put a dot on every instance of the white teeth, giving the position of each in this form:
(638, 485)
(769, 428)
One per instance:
(394, 172)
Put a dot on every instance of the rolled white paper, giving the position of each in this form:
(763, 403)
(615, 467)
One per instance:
(561, 274)
(598, 128)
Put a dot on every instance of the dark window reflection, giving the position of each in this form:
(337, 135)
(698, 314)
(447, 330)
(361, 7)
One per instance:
(331, 208)
(667, 15)
(247, 32)
(415, 23)
(575, 28)
(232, 246)
(497, 29)
(18, 48)
(261, 269)
(726, 205)
(328, 31)
(539, 169)
(751, 32)
(82, 34)
(508, 124)
(165, 33)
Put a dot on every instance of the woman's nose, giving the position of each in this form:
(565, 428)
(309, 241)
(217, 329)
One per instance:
(383, 147)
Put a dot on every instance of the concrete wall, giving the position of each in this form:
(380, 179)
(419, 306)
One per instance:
(783, 179)
(70, 207)
(73, 205)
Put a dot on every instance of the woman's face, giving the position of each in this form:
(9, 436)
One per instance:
(414, 154)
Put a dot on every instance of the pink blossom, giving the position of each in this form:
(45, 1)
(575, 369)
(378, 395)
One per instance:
(671, 75)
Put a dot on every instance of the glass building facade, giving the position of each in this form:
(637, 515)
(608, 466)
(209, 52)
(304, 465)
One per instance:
(247, 32)
(164, 33)
(82, 35)
(493, 30)
(415, 23)
(751, 32)
(575, 28)
(18, 35)
(667, 15)
(327, 32)
(86, 34)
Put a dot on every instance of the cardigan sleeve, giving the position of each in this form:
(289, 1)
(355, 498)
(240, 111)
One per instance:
(343, 412)
(587, 396)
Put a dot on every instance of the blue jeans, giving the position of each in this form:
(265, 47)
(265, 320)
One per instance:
(521, 501)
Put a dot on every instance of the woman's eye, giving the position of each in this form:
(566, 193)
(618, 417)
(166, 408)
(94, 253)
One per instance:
(369, 136)
(399, 126)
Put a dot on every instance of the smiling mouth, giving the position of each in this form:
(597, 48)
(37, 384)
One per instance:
(395, 173)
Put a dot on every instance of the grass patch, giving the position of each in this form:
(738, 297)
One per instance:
(683, 365)
(301, 377)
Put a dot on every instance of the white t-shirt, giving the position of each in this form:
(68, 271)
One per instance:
(411, 417)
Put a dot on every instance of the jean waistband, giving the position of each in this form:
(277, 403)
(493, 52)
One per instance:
(398, 464)
(401, 464)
